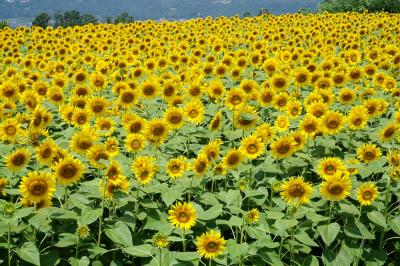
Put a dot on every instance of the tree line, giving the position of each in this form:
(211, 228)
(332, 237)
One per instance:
(73, 18)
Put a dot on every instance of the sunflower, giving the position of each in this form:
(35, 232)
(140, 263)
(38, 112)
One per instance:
(367, 193)
(357, 117)
(135, 124)
(336, 187)
(233, 158)
(105, 125)
(266, 132)
(38, 205)
(216, 89)
(317, 109)
(3, 186)
(250, 87)
(282, 123)
(281, 100)
(98, 155)
(283, 147)
(246, 117)
(37, 186)
(80, 117)
(388, 132)
(200, 164)
(393, 158)
(112, 146)
(18, 159)
(127, 98)
(177, 166)
(134, 142)
(210, 244)
(216, 122)
(279, 82)
(114, 170)
(194, 111)
(266, 97)
(183, 215)
(301, 77)
(329, 166)
(309, 125)
(83, 140)
(212, 149)
(10, 130)
(144, 169)
(295, 191)
(97, 105)
(252, 146)
(299, 138)
(68, 170)
(174, 117)
(113, 185)
(293, 108)
(235, 98)
(347, 96)
(150, 89)
(156, 131)
(56, 95)
(368, 152)
(332, 122)
(160, 241)
(252, 216)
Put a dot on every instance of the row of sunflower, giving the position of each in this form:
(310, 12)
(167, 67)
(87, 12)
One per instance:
(266, 140)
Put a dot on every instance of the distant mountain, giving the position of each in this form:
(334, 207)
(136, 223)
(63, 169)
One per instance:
(154, 9)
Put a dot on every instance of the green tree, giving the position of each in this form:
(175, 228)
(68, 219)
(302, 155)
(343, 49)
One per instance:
(4, 24)
(246, 14)
(88, 18)
(263, 11)
(124, 18)
(109, 19)
(58, 19)
(41, 20)
(334, 6)
(72, 18)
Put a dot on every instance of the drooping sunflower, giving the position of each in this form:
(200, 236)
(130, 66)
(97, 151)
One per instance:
(114, 170)
(134, 142)
(388, 132)
(98, 155)
(336, 187)
(68, 170)
(393, 158)
(156, 131)
(37, 186)
(252, 216)
(210, 244)
(233, 158)
(183, 215)
(200, 164)
(3, 186)
(176, 167)
(368, 152)
(283, 147)
(216, 122)
(113, 185)
(266, 132)
(212, 150)
(17, 160)
(367, 193)
(332, 122)
(329, 166)
(144, 169)
(252, 146)
(246, 117)
(296, 191)
(195, 111)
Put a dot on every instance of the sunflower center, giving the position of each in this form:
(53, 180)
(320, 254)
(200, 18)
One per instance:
(283, 148)
(175, 119)
(367, 195)
(9, 92)
(357, 121)
(216, 123)
(347, 97)
(369, 155)
(297, 190)
(175, 168)
(335, 189)
(135, 127)
(211, 246)
(183, 217)
(389, 132)
(330, 169)
(97, 107)
(252, 148)
(267, 97)
(236, 99)
(38, 187)
(11, 130)
(18, 159)
(280, 83)
(144, 174)
(193, 113)
(169, 91)
(68, 171)
(127, 97)
(148, 90)
(200, 167)
(84, 144)
(310, 127)
(56, 97)
(80, 77)
(332, 123)
(158, 130)
(301, 78)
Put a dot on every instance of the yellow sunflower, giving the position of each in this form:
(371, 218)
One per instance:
(283, 147)
(134, 142)
(156, 131)
(388, 132)
(295, 191)
(332, 122)
(368, 152)
(336, 187)
(175, 117)
(68, 170)
(177, 166)
(245, 117)
(194, 111)
(367, 193)
(17, 160)
(183, 215)
(144, 169)
(329, 166)
(37, 186)
(252, 146)
(233, 158)
(216, 122)
(210, 244)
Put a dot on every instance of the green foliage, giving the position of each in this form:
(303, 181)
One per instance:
(124, 18)
(72, 18)
(41, 20)
(334, 6)
(4, 24)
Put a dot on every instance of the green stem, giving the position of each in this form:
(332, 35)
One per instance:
(190, 189)
(65, 197)
(9, 243)
(77, 247)
(137, 200)
(160, 256)
(387, 197)
(184, 240)
(102, 212)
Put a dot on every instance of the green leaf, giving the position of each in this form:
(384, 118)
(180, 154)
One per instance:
(139, 251)
(21, 213)
(377, 218)
(186, 256)
(212, 213)
(236, 250)
(394, 224)
(90, 216)
(356, 229)
(66, 240)
(310, 261)
(29, 252)
(304, 238)
(328, 232)
(120, 234)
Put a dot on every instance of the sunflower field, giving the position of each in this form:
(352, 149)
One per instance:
(271, 140)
